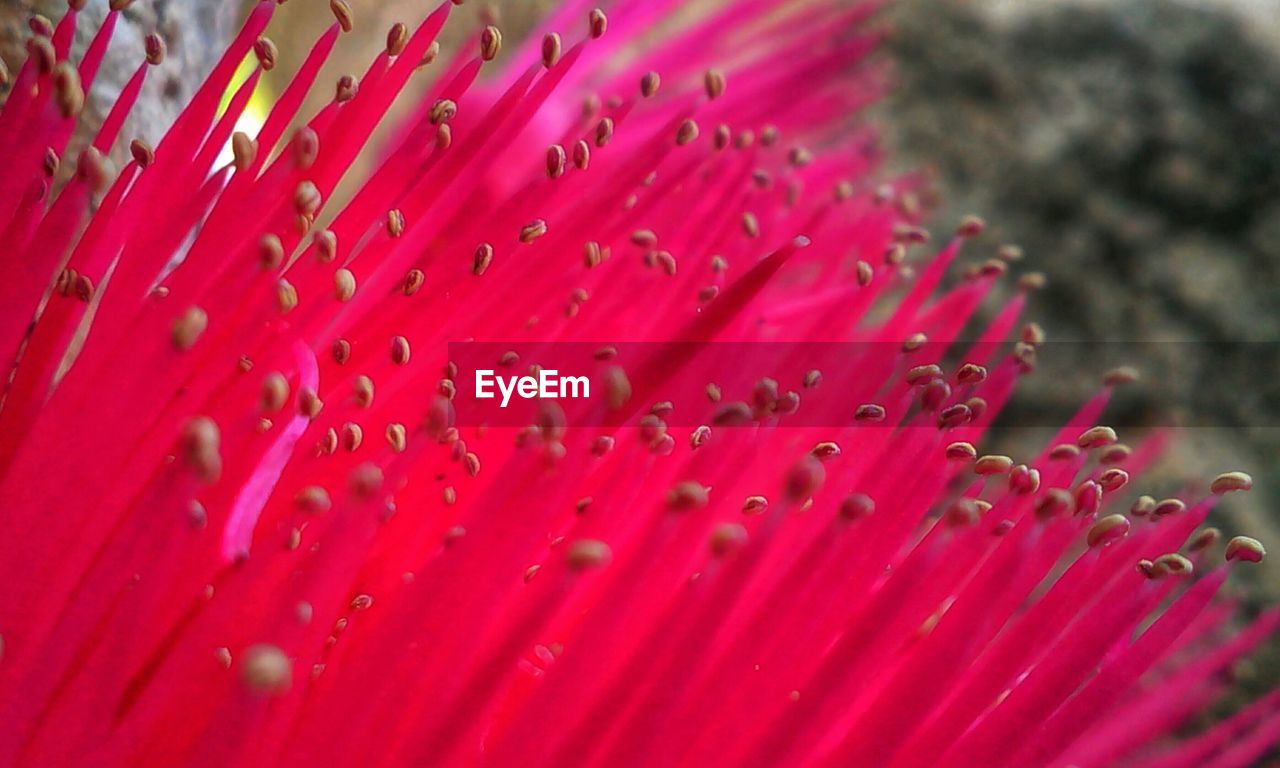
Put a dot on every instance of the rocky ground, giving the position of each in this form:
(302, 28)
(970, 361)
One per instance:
(1133, 150)
(194, 32)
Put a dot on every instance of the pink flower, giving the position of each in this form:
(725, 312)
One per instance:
(241, 521)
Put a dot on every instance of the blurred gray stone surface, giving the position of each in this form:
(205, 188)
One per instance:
(195, 31)
(1133, 149)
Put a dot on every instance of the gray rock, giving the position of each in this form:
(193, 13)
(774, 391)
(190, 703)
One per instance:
(1133, 150)
(195, 31)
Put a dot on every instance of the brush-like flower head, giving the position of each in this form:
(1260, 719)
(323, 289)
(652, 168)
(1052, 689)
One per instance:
(246, 517)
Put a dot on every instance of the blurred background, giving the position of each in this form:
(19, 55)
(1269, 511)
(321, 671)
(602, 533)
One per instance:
(1130, 147)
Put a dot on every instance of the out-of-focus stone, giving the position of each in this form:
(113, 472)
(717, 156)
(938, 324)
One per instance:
(195, 33)
(1130, 148)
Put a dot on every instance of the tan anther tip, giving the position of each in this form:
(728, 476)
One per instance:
(490, 43)
(588, 553)
(1096, 437)
(1231, 481)
(1173, 564)
(1009, 252)
(142, 153)
(970, 226)
(1203, 540)
(1124, 374)
(649, 84)
(993, 464)
(1245, 548)
(688, 495)
(266, 51)
(551, 48)
(342, 12)
(826, 450)
(686, 133)
(869, 413)
(1032, 281)
(755, 505)
(856, 506)
(727, 538)
(266, 670)
(714, 83)
(597, 23)
(156, 49)
(397, 37)
(1108, 529)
